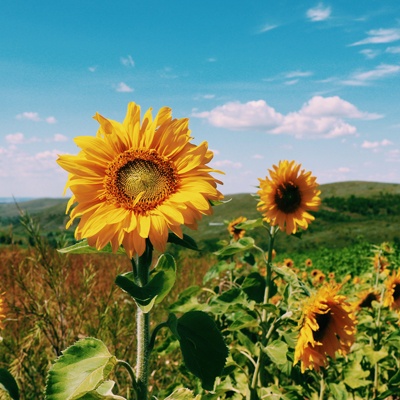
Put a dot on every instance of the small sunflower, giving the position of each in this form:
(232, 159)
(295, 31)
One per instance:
(318, 279)
(366, 298)
(327, 327)
(287, 195)
(236, 233)
(392, 294)
(135, 181)
(380, 262)
(288, 262)
(308, 263)
(315, 272)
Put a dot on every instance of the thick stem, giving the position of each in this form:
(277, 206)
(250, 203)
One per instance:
(321, 387)
(141, 271)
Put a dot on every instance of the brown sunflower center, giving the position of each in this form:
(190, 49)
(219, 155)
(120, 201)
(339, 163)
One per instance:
(396, 292)
(368, 299)
(288, 197)
(323, 323)
(140, 180)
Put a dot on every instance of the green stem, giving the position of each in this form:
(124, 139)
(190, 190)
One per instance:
(321, 387)
(266, 335)
(128, 367)
(141, 271)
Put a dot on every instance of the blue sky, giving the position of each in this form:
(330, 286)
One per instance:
(261, 81)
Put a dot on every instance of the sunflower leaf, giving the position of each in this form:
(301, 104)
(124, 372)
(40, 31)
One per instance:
(277, 352)
(83, 247)
(202, 345)
(161, 281)
(218, 202)
(243, 244)
(8, 384)
(103, 392)
(250, 224)
(186, 241)
(182, 394)
(80, 369)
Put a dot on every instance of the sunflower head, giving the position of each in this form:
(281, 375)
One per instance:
(235, 232)
(308, 263)
(366, 298)
(288, 262)
(287, 195)
(392, 294)
(138, 180)
(327, 326)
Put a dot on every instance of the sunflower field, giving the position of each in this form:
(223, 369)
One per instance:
(133, 309)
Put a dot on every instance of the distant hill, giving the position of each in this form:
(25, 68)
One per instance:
(350, 211)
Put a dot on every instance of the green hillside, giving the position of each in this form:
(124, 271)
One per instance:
(350, 212)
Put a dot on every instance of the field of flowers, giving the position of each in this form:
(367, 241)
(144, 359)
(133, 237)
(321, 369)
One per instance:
(134, 310)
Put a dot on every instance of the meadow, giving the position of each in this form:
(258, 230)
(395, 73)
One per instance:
(51, 300)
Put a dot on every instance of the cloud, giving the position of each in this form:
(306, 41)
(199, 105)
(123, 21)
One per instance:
(298, 74)
(29, 115)
(393, 50)
(258, 156)
(380, 72)
(377, 36)
(58, 137)
(123, 88)
(15, 138)
(369, 53)
(374, 145)
(322, 117)
(92, 69)
(292, 82)
(211, 59)
(34, 116)
(227, 164)
(318, 13)
(267, 28)
(127, 61)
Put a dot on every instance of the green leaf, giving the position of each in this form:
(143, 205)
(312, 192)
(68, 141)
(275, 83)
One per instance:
(250, 224)
(374, 356)
(183, 394)
(243, 320)
(338, 391)
(103, 392)
(80, 369)
(243, 244)
(83, 247)
(254, 286)
(354, 375)
(218, 202)
(8, 383)
(186, 241)
(217, 269)
(276, 351)
(161, 281)
(203, 348)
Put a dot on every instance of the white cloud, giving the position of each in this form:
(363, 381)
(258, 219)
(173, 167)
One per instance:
(267, 28)
(374, 145)
(211, 59)
(29, 115)
(58, 137)
(369, 53)
(319, 13)
(123, 88)
(34, 116)
(380, 72)
(376, 36)
(322, 117)
(258, 156)
(92, 69)
(292, 82)
(227, 164)
(343, 169)
(15, 138)
(298, 74)
(393, 49)
(127, 61)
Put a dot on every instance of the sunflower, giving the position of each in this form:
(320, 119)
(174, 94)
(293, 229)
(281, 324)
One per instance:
(366, 298)
(136, 181)
(392, 294)
(327, 327)
(288, 262)
(308, 263)
(287, 195)
(236, 233)
(380, 262)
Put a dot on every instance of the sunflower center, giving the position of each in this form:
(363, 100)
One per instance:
(288, 197)
(367, 302)
(323, 323)
(140, 180)
(396, 292)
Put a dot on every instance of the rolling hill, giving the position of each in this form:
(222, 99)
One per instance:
(350, 212)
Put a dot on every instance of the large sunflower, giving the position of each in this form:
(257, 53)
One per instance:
(136, 181)
(392, 294)
(327, 326)
(287, 195)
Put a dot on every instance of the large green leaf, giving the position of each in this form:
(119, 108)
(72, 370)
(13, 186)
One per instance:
(103, 392)
(80, 369)
(243, 244)
(182, 394)
(250, 224)
(186, 241)
(203, 348)
(8, 384)
(83, 247)
(161, 281)
(254, 286)
(276, 351)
